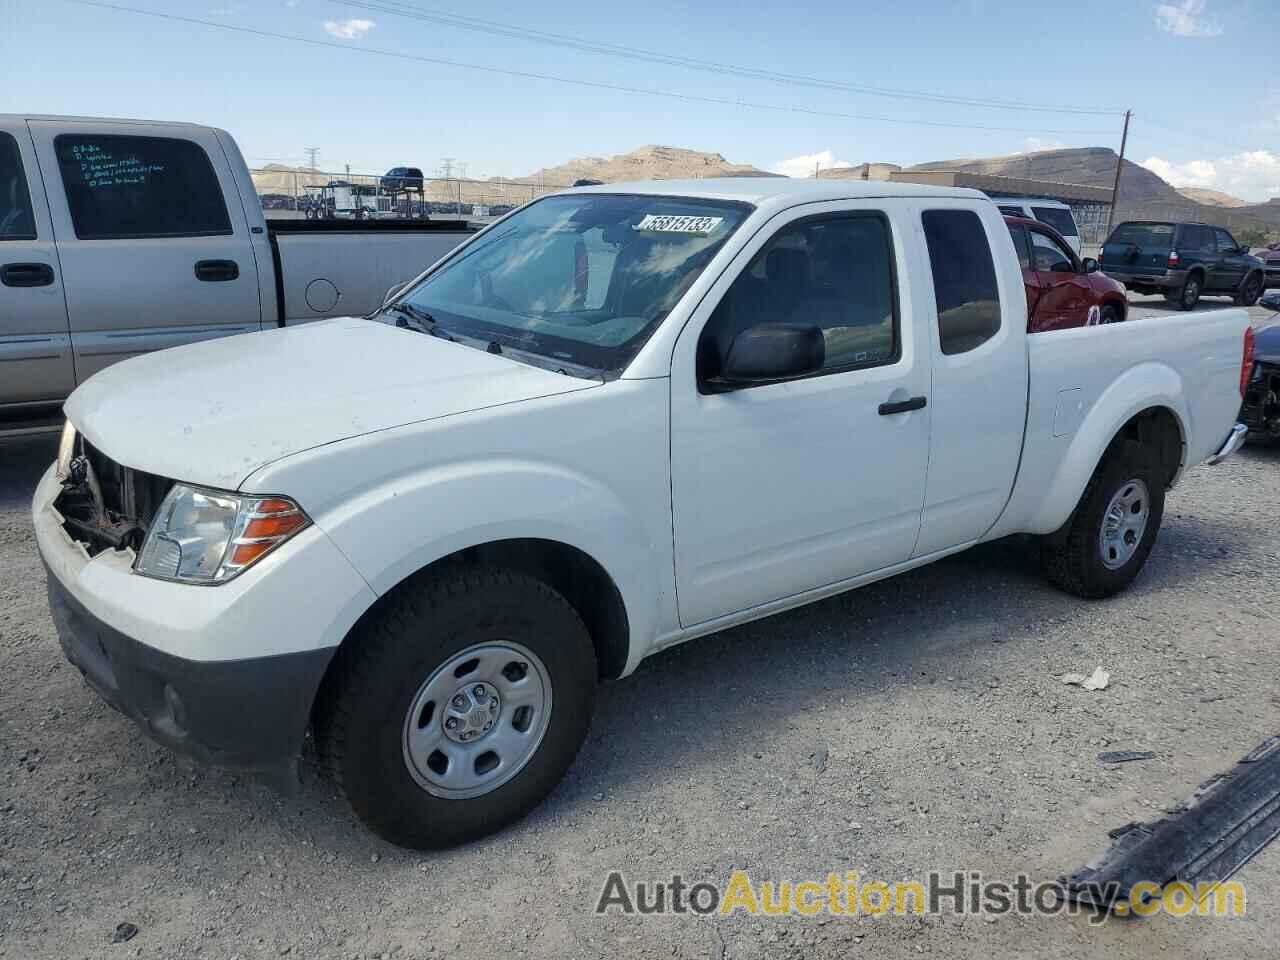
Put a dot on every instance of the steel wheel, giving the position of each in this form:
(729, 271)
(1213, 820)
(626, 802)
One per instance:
(477, 720)
(1123, 524)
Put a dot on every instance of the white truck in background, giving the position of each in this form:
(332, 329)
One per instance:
(618, 419)
(120, 237)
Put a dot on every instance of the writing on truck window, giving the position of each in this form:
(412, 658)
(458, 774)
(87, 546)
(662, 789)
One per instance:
(129, 187)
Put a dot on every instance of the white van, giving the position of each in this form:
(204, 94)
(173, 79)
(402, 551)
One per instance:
(1053, 212)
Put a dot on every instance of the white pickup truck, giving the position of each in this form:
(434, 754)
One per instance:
(119, 237)
(617, 419)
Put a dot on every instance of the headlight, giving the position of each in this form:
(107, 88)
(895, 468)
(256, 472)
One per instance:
(209, 536)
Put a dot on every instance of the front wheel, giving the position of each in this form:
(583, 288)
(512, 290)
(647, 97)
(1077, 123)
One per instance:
(1250, 291)
(458, 706)
(1106, 541)
(1110, 314)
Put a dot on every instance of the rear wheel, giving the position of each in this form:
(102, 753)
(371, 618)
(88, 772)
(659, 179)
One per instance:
(1250, 291)
(458, 706)
(1188, 295)
(1106, 541)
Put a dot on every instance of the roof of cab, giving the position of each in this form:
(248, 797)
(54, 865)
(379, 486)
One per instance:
(70, 118)
(783, 190)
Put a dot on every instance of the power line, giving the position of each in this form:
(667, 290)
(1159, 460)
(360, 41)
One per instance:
(594, 84)
(496, 28)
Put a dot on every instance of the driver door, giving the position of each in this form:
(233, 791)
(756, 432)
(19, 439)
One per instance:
(781, 488)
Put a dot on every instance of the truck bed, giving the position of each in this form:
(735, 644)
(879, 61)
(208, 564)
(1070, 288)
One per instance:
(344, 268)
(1085, 380)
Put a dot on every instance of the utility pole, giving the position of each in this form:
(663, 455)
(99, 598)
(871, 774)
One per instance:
(1115, 188)
(446, 167)
(313, 156)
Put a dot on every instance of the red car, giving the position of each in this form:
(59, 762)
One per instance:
(1062, 290)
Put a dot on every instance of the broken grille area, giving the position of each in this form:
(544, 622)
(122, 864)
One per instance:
(105, 505)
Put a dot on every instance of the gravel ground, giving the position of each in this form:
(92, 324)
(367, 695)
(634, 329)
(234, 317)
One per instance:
(916, 724)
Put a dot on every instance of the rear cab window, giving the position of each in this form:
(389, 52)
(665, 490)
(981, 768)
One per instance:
(1196, 239)
(964, 279)
(1020, 244)
(131, 187)
(17, 222)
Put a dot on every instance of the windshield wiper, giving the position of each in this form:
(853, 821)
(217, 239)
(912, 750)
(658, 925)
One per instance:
(415, 318)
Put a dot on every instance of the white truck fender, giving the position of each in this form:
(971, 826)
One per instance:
(403, 524)
(1143, 387)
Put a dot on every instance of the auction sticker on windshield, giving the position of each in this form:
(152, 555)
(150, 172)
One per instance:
(674, 223)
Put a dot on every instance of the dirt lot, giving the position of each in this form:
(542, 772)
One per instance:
(917, 724)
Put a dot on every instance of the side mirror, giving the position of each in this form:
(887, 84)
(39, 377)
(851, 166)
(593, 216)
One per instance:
(392, 290)
(774, 351)
(1090, 265)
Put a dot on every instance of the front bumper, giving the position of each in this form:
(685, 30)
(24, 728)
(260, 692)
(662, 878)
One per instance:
(224, 674)
(248, 715)
(1235, 440)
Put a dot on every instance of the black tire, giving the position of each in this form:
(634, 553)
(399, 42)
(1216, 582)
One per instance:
(1110, 314)
(360, 717)
(1250, 290)
(1188, 295)
(1072, 558)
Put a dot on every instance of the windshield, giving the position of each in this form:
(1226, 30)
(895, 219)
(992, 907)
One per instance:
(581, 279)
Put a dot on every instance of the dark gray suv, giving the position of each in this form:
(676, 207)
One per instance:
(1183, 261)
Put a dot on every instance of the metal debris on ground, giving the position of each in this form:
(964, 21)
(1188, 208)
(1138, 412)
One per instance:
(1124, 756)
(124, 932)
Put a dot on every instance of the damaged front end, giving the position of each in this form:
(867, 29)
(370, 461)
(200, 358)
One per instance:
(1261, 409)
(104, 505)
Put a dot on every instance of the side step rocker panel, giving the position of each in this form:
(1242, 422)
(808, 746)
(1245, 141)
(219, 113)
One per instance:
(1230, 818)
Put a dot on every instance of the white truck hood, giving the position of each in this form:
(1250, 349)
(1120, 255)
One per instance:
(212, 413)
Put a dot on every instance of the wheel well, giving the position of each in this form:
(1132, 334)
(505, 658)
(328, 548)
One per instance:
(567, 570)
(1119, 303)
(1157, 428)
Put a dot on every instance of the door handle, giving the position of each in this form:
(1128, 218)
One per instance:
(26, 275)
(217, 271)
(903, 406)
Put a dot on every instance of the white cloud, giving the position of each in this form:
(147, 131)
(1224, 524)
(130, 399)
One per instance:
(1185, 18)
(805, 164)
(1251, 175)
(349, 29)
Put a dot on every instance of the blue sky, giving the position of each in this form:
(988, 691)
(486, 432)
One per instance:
(1197, 74)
